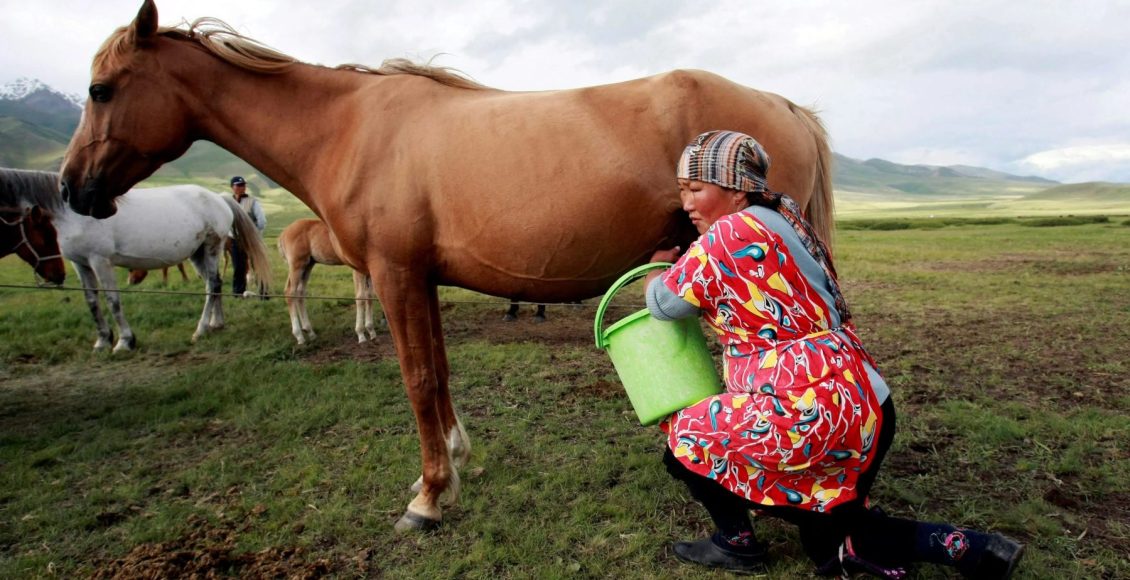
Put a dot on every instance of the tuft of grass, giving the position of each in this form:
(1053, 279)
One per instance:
(1066, 221)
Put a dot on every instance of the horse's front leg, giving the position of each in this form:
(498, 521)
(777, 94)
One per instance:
(104, 270)
(409, 319)
(90, 292)
(215, 286)
(458, 443)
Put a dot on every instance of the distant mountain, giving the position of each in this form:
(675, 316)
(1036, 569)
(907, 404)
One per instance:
(880, 176)
(34, 107)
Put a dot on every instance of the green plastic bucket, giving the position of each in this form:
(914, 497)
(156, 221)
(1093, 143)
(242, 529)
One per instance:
(664, 366)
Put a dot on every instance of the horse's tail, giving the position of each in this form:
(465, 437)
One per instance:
(249, 240)
(821, 206)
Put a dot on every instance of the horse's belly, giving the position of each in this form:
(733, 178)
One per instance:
(558, 263)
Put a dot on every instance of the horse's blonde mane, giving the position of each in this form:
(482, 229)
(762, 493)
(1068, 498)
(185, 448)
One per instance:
(223, 41)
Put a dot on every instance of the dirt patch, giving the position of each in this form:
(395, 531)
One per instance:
(209, 551)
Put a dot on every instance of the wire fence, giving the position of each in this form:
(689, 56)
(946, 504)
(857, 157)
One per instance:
(487, 301)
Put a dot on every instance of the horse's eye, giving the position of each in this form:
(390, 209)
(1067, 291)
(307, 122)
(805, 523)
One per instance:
(101, 93)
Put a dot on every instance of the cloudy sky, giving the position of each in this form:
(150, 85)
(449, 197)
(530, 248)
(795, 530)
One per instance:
(1026, 87)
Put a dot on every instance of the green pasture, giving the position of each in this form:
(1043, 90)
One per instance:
(1006, 346)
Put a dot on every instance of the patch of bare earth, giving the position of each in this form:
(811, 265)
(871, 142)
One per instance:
(209, 551)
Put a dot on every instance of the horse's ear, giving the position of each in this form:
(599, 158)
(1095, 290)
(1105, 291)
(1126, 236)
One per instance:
(144, 26)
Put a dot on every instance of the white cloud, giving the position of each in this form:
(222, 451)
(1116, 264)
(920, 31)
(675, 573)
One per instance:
(1082, 163)
(985, 84)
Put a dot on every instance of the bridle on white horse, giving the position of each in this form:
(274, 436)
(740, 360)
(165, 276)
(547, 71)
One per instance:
(22, 223)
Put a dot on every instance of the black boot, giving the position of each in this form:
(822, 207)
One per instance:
(708, 552)
(997, 560)
(847, 564)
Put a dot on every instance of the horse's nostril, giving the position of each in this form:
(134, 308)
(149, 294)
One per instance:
(65, 192)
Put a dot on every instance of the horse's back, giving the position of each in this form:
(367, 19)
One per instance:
(309, 238)
(153, 227)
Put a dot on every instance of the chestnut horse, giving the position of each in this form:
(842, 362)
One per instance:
(307, 242)
(426, 178)
(29, 233)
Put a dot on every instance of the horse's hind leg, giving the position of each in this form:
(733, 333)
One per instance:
(90, 292)
(206, 260)
(104, 270)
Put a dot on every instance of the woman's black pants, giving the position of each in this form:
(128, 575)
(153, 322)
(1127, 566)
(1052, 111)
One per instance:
(821, 533)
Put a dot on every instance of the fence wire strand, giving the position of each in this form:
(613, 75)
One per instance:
(489, 302)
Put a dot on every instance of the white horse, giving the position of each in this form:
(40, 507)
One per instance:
(156, 228)
(307, 242)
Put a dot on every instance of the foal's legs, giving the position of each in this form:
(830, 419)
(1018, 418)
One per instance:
(293, 298)
(90, 292)
(303, 284)
(363, 292)
(104, 270)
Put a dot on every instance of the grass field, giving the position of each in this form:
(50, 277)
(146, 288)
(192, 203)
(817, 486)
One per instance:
(1006, 347)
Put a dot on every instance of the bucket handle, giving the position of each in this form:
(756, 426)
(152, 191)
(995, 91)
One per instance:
(625, 279)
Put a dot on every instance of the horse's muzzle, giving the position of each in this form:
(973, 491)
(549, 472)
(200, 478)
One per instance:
(91, 200)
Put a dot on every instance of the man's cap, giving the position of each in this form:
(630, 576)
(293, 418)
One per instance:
(237, 180)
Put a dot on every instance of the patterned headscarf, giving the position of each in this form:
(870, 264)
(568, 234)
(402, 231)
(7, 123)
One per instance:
(727, 158)
(737, 161)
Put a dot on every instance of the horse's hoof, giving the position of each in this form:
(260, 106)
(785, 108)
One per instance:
(538, 319)
(219, 326)
(413, 522)
(509, 318)
(362, 339)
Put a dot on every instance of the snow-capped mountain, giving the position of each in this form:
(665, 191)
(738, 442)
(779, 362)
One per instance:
(24, 87)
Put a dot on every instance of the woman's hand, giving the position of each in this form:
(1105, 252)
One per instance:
(666, 255)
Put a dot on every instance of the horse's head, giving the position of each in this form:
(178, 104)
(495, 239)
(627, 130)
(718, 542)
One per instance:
(33, 238)
(133, 121)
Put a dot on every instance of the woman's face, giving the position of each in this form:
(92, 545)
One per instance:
(706, 202)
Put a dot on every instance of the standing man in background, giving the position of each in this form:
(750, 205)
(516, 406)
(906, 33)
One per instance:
(238, 258)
